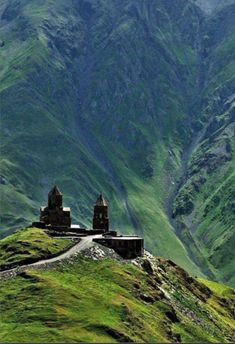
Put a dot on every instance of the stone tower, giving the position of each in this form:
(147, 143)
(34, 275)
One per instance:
(100, 218)
(55, 214)
(55, 198)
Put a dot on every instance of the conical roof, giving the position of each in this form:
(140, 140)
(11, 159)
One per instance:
(55, 191)
(101, 201)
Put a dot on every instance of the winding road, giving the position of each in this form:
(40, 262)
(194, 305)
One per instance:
(85, 243)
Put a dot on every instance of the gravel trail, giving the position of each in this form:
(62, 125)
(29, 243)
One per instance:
(85, 243)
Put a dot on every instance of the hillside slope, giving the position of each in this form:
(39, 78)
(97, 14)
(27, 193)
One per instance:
(96, 296)
(29, 245)
(106, 302)
(111, 95)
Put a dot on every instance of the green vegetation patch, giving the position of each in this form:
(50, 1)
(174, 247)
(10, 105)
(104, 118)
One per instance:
(109, 301)
(218, 289)
(27, 245)
(84, 301)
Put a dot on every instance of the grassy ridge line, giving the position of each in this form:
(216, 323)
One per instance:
(29, 245)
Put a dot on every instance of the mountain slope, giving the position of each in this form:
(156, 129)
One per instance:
(205, 203)
(211, 5)
(99, 95)
(95, 297)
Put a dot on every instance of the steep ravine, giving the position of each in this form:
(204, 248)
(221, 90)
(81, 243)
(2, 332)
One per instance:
(182, 231)
(194, 108)
(207, 164)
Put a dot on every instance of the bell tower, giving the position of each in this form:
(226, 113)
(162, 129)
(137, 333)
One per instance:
(100, 218)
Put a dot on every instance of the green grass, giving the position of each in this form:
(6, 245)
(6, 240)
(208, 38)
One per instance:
(98, 301)
(29, 244)
(109, 109)
(218, 289)
(79, 303)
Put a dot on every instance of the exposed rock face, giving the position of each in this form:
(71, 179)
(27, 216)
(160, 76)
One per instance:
(97, 252)
(146, 265)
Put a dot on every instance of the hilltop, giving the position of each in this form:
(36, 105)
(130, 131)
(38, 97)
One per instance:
(96, 296)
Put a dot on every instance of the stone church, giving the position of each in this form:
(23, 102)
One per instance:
(57, 219)
(55, 214)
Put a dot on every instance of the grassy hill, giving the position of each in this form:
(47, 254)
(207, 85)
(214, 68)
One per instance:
(29, 245)
(109, 300)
